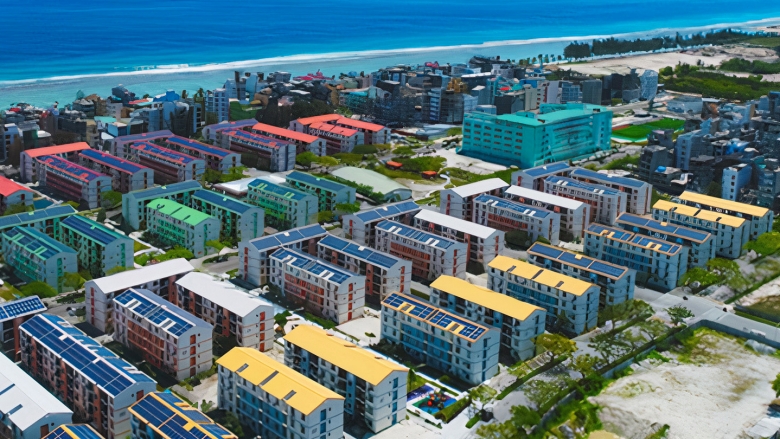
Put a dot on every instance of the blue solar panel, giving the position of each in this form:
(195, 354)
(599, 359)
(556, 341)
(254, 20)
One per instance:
(523, 209)
(466, 328)
(616, 233)
(663, 246)
(418, 309)
(92, 229)
(21, 307)
(312, 180)
(552, 168)
(167, 190)
(257, 141)
(367, 254)
(417, 235)
(36, 215)
(156, 310)
(192, 145)
(111, 161)
(312, 265)
(167, 155)
(646, 226)
(145, 136)
(79, 431)
(573, 259)
(608, 269)
(67, 167)
(223, 201)
(36, 242)
(288, 237)
(277, 189)
(545, 250)
(586, 187)
(391, 211)
(606, 178)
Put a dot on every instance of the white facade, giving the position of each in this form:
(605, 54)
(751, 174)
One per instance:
(254, 255)
(483, 243)
(511, 216)
(360, 227)
(734, 179)
(533, 178)
(218, 103)
(459, 201)
(639, 193)
(574, 215)
(606, 204)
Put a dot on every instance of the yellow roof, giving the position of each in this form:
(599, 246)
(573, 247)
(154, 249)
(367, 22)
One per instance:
(182, 410)
(431, 313)
(298, 391)
(484, 297)
(706, 215)
(543, 276)
(345, 355)
(706, 200)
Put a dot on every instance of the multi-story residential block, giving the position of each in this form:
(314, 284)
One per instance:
(213, 132)
(27, 410)
(701, 245)
(120, 146)
(261, 152)
(730, 233)
(126, 175)
(606, 204)
(166, 337)
(99, 248)
(328, 192)
(557, 133)
(639, 193)
(285, 207)
(73, 181)
(44, 220)
(431, 255)
(572, 304)
(373, 388)
(164, 416)
(459, 201)
(276, 402)
(616, 281)
(372, 133)
(303, 142)
(34, 256)
(77, 431)
(14, 194)
(177, 224)
(231, 311)
(518, 322)
(483, 243)
(134, 203)
(254, 256)
(169, 166)
(322, 288)
(659, 264)
(159, 278)
(217, 104)
(574, 215)
(360, 227)
(240, 221)
(12, 314)
(759, 218)
(454, 345)
(337, 139)
(384, 273)
(91, 380)
(510, 216)
(533, 178)
(216, 158)
(28, 167)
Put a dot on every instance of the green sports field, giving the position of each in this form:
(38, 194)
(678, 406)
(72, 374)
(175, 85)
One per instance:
(639, 132)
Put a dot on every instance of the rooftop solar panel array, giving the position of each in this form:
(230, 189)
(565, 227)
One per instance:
(552, 168)
(21, 307)
(164, 154)
(36, 215)
(413, 234)
(313, 180)
(112, 161)
(77, 171)
(277, 189)
(657, 226)
(523, 209)
(192, 145)
(312, 265)
(390, 211)
(365, 253)
(167, 190)
(657, 244)
(165, 413)
(164, 316)
(223, 201)
(144, 136)
(615, 233)
(606, 178)
(435, 316)
(581, 261)
(257, 141)
(92, 229)
(288, 237)
(36, 242)
(80, 431)
(587, 187)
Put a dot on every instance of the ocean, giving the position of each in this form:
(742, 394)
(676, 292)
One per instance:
(52, 49)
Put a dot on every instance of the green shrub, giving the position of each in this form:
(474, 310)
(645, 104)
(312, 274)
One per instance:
(365, 149)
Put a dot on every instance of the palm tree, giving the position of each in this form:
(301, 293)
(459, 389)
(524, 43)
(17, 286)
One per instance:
(184, 94)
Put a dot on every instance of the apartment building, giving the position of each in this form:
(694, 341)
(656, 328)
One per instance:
(239, 221)
(384, 273)
(159, 278)
(431, 255)
(120, 146)
(217, 102)
(167, 337)
(285, 207)
(510, 216)
(373, 133)
(28, 160)
(328, 192)
(77, 431)
(254, 256)
(27, 410)
(14, 194)
(616, 281)
(91, 380)
(44, 220)
(519, 323)
(162, 415)
(759, 218)
(454, 345)
(659, 264)
(99, 249)
(572, 304)
(134, 203)
(574, 215)
(169, 166)
(606, 204)
(213, 133)
(303, 142)
(231, 311)
(701, 245)
(12, 314)
(337, 139)
(361, 227)
(218, 159)
(261, 152)
(125, 175)
(34, 256)
(459, 201)
(276, 402)
(639, 193)
(177, 224)
(73, 181)
(533, 178)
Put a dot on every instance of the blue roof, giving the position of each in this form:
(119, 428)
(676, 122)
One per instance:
(22, 219)
(418, 235)
(77, 431)
(367, 254)
(503, 203)
(223, 201)
(421, 309)
(277, 189)
(552, 168)
(389, 211)
(581, 261)
(92, 229)
(316, 181)
(75, 170)
(164, 412)
(598, 229)
(144, 136)
(101, 366)
(313, 265)
(588, 187)
(257, 141)
(164, 191)
(435, 316)
(165, 154)
(664, 246)
(36, 242)
(112, 161)
(159, 312)
(21, 307)
(193, 145)
(639, 224)
(288, 237)
(234, 124)
(607, 178)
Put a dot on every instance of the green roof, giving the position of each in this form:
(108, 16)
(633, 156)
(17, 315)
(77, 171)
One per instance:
(178, 211)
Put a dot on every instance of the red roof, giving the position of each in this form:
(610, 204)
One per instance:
(393, 164)
(57, 149)
(306, 121)
(332, 129)
(284, 133)
(9, 187)
(336, 119)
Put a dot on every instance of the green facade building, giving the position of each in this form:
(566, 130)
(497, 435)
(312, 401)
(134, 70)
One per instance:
(285, 207)
(99, 248)
(34, 256)
(179, 225)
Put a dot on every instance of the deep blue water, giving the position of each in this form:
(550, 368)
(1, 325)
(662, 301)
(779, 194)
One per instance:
(52, 38)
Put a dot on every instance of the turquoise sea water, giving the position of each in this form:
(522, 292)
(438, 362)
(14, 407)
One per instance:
(51, 49)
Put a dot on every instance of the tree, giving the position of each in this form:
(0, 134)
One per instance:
(624, 311)
(540, 392)
(231, 423)
(555, 345)
(714, 189)
(72, 280)
(651, 328)
(609, 347)
(101, 215)
(584, 364)
(679, 313)
(13, 209)
(118, 269)
(324, 216)
(348, 207)
(306, 159)
(502, 430)
(403, 151)
(776, 385)
(327, 162)
(110, 199)
(482, 395)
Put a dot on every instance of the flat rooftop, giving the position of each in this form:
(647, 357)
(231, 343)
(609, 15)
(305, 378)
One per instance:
(140, 276)
(480, 187)
(222, 293)
(544, 197)
(288, 237)
(454, 223)
(22, 399)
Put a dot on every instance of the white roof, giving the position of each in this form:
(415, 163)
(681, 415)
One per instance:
(458, 224)
(222, 293)
(544, 197)
(479, 187)
(23, 400)
(133, 278)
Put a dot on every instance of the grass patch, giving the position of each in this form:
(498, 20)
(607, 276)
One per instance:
(40, 289)
(142, 259)
(281, 318)
(460, 176)
(688, 79)
(766, 244)
(755, 318)
(420, 164)
(625, 163)
(137, 246)
(654, 355)
(414, 382)
(764, 41)
(473, 421)
(640, 132)
(420, 294)
(451, 411)
(660, 434)
(325, 323)
(456, 131)
(394, 173)
(241, 112)
(700, 347)
(9, 292)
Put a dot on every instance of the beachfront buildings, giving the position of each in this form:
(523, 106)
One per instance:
(373, 388)
(159, 278)
(513, 217)
(337, 139)
(261, 152)
(169, 166)
(606, 204)
(120, 146)
(558, 132)
(361, 227)
(759, 218)
(533, 178)
(91, 380)
(214, 132)
(28, 160)
(459, 201)
(44, 220)
(572, 304)
(231, 311)
(177, 224)
(239, 221)
(639, 193)
(126, 175)
(27, 410)
(372, 133)
(701, 245)
(254, 256)
(276, 402)
(384, 273)
(323, 289)
(574, 215)
(328, 192)
(162, 415)
(73, 181)
(12, 314)
(134, 203)
(454, 345)
(518, 322)
(616, 281)
(285, 207)
(14, 194)
(34, 256)
(659, 264)
(303, 142)
(483, 243)
(168, 338)
(218, 159)
(431, 255)
(99, 248)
